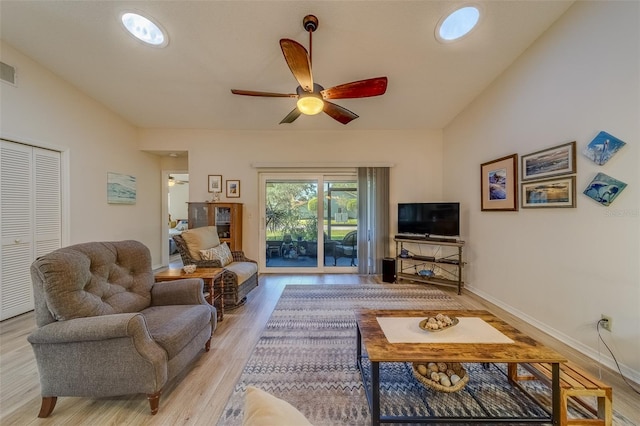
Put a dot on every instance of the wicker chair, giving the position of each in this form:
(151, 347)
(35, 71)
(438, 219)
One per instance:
(235, 292)
(348, 247)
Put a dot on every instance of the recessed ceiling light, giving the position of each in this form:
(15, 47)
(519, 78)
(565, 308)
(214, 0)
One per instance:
(144, 29)
(458, 23)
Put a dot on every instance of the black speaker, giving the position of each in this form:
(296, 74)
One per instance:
(389, 270)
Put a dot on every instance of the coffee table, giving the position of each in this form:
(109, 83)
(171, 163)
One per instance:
(208, 275)
(523, 349)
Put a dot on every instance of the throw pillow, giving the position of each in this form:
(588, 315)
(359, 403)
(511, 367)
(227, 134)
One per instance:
(262, 408)
(205, 254)
(227, 257)
(200, 239)
(221, 253)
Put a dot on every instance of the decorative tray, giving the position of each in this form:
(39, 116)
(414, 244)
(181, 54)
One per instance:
(443, 322)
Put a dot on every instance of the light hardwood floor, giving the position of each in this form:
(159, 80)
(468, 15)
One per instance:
(199, 394)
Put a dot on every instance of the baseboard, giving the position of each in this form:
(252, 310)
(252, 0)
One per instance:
(600, 358)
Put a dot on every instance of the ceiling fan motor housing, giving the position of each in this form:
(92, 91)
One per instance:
(316, 89)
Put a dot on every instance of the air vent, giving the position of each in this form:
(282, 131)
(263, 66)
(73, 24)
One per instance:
(7, 73)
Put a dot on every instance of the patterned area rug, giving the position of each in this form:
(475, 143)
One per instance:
(307, 356)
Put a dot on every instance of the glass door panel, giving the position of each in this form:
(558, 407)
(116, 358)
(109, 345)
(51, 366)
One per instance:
(341, 221)
(301, 233)
(291, 223)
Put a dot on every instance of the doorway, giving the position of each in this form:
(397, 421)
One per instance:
(176, 185)
(309, 222)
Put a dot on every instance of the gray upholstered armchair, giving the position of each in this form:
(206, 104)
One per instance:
(104, 328)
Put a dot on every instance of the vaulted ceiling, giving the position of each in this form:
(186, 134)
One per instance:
(215, 46)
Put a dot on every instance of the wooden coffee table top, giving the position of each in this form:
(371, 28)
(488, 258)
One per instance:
(523, 348)
(175, 273)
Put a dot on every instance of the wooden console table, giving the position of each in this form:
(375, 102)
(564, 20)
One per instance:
(208, 275)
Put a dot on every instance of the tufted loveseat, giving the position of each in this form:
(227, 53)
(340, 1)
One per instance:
(240, 275)
(105, 328)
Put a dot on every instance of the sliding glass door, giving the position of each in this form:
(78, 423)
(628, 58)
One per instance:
(309, 222)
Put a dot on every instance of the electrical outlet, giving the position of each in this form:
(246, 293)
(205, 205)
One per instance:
(606, 322)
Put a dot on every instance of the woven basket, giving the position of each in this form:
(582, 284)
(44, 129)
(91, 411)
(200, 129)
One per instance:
(459, 370)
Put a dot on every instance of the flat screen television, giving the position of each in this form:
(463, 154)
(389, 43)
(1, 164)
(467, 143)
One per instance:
(436, 219)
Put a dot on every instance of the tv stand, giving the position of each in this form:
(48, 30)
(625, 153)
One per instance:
(443, 260)
(442, 238)
(411, 236)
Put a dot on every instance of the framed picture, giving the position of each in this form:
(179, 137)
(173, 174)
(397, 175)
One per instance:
(121, 189)
(498, 180)
(556, 192)
(233, 189)
(215, 183)
(604, 189)
(559, 160)
(602, 148)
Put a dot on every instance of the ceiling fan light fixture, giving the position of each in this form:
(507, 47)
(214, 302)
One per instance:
(310, 104)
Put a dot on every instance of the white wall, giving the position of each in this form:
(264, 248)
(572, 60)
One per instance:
(44, 110)
(416, 156)
(561, 269)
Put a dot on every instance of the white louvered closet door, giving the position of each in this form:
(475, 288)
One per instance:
(30, 218)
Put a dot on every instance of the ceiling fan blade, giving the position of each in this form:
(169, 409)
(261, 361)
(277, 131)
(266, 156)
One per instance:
(357, 89)
(339, 113)
(291, 117)
(266, 94)
(297, 58)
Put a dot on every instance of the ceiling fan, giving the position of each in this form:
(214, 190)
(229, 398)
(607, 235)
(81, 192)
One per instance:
(173, 181)
(312, 97)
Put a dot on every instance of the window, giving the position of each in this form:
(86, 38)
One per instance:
(457, 24)
(144, 29)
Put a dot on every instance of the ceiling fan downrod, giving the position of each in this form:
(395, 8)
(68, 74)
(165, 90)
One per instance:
(310, 24)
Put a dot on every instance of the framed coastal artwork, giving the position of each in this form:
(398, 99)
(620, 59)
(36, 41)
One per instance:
(558, 160)
(121, 188)
(602, 148)
(604, 189)
(233, 189)
(554, 192)
(498, 180)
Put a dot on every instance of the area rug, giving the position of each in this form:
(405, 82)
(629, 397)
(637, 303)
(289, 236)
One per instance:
(307, 356)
